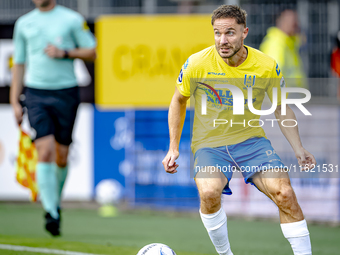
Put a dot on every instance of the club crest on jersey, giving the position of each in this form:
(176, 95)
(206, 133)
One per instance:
(249, 80)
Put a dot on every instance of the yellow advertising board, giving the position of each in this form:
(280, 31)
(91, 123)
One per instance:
(140, 57)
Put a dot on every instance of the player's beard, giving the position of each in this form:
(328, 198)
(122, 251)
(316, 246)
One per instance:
(232, 50)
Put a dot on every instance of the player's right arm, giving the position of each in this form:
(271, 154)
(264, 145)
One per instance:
(18, 71)
(176, 118)
(177, 112)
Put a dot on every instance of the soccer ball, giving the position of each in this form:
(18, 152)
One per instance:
(108, 191)
(156, 249)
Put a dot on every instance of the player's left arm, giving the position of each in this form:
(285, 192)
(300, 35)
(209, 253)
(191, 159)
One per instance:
(84, 39)
(305, 159)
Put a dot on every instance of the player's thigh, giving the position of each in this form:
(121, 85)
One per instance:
(65, 111)
(212, 184)
(274, 184)
(261, 166)
(257, 155)
(212, 171)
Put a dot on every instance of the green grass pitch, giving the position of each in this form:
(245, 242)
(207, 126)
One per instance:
(84, 231)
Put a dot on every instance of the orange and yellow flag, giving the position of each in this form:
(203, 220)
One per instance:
(26, 164)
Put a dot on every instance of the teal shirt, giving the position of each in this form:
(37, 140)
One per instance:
(61, 27)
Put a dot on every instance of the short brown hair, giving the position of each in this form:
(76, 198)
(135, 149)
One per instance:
(230, 11)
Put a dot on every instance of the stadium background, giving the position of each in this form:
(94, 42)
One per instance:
(121, 131)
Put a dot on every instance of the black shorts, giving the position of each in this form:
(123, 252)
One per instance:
(52, 112)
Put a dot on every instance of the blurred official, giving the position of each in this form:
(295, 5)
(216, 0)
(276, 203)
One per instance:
(283, 43)
(46, 42)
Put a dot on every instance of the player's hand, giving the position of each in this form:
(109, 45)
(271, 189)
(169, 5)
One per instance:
(54, 52)
(169, 163)
(305, 159)
(18, 113)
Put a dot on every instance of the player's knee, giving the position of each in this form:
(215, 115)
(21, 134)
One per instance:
(61, 158)
(284, 196)
(61, 164)
(61, 161)
(210, 196)
(45, 155)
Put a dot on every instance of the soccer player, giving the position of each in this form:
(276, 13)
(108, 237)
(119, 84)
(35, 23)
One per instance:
(235, 146)
(46, 41)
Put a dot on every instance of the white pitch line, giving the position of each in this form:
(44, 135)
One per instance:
(40, 250)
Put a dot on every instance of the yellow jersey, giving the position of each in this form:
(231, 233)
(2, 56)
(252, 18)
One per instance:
(203, 76)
